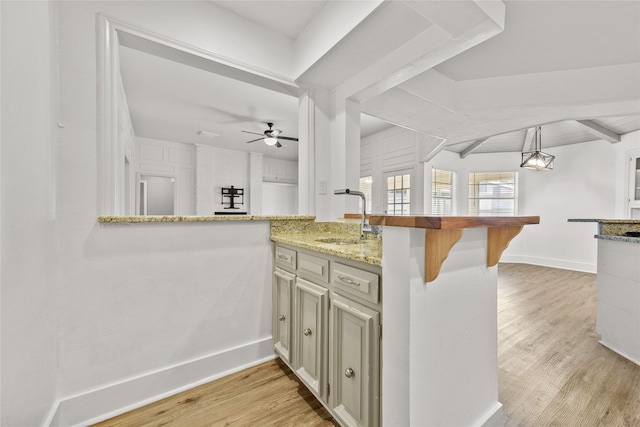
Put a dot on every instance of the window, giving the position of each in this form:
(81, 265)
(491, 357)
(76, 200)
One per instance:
(399, 194)
(441, 192)
(493, 193)
(365, 187)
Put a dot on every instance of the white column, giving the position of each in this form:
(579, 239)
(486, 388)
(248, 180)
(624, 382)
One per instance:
(439, 346)
(345, 154)
(255, 183)
(314, 155)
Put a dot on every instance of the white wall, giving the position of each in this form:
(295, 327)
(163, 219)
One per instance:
(394, 149)
(279, 199)
(588, 181)
(218, 168)
(28, 268)
(100, 317)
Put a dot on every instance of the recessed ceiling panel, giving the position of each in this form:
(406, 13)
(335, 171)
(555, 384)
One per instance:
(541, 36)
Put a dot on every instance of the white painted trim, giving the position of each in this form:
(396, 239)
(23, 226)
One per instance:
(621, 353)
(114, 399)
(107, 72)
(550, 262)
(496, 418)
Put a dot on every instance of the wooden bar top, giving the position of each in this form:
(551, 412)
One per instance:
(452, 222)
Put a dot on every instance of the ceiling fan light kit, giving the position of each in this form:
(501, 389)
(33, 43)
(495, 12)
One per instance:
(537, 160)
(270, 136)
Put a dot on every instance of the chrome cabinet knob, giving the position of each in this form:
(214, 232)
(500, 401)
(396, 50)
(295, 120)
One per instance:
(349, 373)
(281, 318)
(307, 332)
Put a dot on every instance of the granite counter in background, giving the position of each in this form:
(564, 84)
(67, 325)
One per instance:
(614, 229)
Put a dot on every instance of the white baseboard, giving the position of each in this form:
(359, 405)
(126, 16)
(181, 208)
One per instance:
(621, 353)
(551, 262)
(495, 418)
(115, 399)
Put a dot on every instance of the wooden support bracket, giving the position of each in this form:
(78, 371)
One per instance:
(437, 244)
(498, 239)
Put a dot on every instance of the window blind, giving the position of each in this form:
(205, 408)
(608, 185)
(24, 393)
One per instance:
(493, 193)
(441, 192)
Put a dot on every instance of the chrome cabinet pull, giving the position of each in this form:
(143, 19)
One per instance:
(349, 373)
(307, 332)
(283, 257)
(281, 318)
(348, 280)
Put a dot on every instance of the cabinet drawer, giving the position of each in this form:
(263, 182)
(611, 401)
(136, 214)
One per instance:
(286, 257)
(313, 267)
(355, 282)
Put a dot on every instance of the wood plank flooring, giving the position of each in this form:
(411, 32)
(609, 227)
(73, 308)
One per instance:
(552, 370)
(265, 395)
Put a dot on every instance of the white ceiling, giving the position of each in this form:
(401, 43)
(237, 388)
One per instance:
(542, 36)
(176, 101)
(288, 18)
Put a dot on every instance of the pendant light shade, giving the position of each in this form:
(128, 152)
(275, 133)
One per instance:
(271, 141)
(537, 160)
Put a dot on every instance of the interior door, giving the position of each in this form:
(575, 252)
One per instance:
(157, 195)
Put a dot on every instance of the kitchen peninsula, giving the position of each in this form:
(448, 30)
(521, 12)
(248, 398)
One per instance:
(618, 285)
(436, 304)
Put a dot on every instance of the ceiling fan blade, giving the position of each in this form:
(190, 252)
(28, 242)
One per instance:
(254, 133)
(254, 140)
(287, 138)
(278, 145)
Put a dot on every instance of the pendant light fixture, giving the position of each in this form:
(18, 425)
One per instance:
(537, 160)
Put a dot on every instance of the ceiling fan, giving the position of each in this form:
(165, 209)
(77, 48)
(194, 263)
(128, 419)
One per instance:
(271, 136)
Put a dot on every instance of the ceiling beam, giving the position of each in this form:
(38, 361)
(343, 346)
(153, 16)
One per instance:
(477, 143)
(528, 140)
(599, 131)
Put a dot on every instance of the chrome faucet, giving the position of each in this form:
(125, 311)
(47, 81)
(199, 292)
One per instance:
(364, 207)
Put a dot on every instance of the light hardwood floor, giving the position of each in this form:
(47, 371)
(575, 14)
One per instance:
(552, 370)
(265, 395)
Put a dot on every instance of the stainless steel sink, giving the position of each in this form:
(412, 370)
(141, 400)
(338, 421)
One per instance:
(340, 241)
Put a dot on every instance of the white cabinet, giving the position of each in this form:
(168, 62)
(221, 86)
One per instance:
(311, 320)
(335, 330)
(354, 363)
(281, 318)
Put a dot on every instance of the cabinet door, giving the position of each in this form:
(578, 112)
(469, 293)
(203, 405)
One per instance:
(354, 362)
(281, 295)
(310, 326)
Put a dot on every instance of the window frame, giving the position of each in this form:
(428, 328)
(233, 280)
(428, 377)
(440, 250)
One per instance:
(475, 195)
(452, 194)
(399, 173)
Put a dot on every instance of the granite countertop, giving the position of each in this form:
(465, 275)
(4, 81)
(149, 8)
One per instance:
(114, 219)
(369, 250)
(626, 239)
(305, 234)
(296, 230)
(613, 229)
(606, 221)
